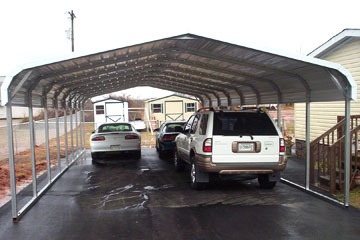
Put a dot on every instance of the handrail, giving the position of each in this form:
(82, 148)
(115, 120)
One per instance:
(335, 127)
(342, 138)
(326, 154)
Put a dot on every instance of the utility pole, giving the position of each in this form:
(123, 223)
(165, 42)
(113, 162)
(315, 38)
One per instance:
(72, 16)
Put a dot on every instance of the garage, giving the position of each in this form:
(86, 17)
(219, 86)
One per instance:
(217, 73)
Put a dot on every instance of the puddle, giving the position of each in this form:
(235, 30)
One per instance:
(151, 188)
(125, 197)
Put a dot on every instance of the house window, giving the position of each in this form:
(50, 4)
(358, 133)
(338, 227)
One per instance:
(190, 107)
(100, 109)
(156, 108)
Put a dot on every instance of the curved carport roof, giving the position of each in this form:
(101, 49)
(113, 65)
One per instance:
(216, 72)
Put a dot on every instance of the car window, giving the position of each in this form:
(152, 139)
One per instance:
(114, 128)
(203, 124)
(194, 125)
(188, 124)
(243, 123)
(174, 127)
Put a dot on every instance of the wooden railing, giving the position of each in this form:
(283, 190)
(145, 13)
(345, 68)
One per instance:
(327, 155)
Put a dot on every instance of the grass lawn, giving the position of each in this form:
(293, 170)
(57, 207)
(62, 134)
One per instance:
(354, 197)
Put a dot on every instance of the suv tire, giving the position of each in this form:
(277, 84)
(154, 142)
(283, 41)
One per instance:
(178, 162)
(194, 172)
(264, 182)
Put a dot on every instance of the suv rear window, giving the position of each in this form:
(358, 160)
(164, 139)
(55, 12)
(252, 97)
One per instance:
(243, 123)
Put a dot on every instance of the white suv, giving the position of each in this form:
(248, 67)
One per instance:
(231, 142)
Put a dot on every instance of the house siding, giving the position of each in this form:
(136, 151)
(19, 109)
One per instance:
(323, 115)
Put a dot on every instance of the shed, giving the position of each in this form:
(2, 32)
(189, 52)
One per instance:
(174, 107)
(110, 110)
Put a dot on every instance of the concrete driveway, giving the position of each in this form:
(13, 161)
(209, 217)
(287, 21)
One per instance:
(147, 199)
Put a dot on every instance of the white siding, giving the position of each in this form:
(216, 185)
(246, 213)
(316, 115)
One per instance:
(323, 115)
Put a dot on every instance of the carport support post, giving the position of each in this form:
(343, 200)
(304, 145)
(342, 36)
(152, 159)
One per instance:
(65, 133)
(84, 129)
(57, 133)
(81, 127)
(76, 128)
(32, 145)
(347, 152)
(71, 131)
(11, 159)
(279, 116)
(46, 119)
(307, 146)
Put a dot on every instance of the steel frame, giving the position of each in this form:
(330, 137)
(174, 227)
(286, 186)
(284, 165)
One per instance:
(201, 78)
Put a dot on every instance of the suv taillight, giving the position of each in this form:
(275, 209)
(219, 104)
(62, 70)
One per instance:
(282, 145)
(131, 137)
(207, 146)
(98, 138)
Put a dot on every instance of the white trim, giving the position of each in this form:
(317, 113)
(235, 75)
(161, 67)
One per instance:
(327, 46)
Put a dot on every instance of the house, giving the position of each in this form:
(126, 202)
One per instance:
(110, 110)
(343, 49)
(171, 108)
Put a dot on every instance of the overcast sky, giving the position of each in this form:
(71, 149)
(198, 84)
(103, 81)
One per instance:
(33, 30)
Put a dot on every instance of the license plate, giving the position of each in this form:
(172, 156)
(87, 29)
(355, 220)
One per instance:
(115, 147)
(246, 147)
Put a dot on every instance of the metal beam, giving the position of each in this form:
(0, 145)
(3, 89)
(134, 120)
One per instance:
(347, 149)
(206, 67)
(119, 86)
(32, 144)
(247, 63)
(55, 103)
(307, 145)
(152, 73)
(241, 96)
(279, 116)
(65, 106)
(46, 122)
(154, 83)
(20, 84)
(71, 130)
(14, 212)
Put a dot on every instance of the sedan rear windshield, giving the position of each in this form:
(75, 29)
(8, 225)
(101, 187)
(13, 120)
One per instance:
(114, 128)
(243, 123)
(174, 127)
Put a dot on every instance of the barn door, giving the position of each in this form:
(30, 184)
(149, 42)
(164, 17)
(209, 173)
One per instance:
(174, 110)
(114, 112)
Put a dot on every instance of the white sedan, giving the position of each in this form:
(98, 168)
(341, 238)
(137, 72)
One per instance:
(113, 138)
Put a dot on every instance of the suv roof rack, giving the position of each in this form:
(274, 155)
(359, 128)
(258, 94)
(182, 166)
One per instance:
(206, 109)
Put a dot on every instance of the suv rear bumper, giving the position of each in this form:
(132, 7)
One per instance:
(205, 164)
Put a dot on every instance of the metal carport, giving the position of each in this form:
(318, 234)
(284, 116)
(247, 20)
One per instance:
(217, 73)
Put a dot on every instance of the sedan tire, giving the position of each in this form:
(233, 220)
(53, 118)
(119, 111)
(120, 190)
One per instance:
(137, 154)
